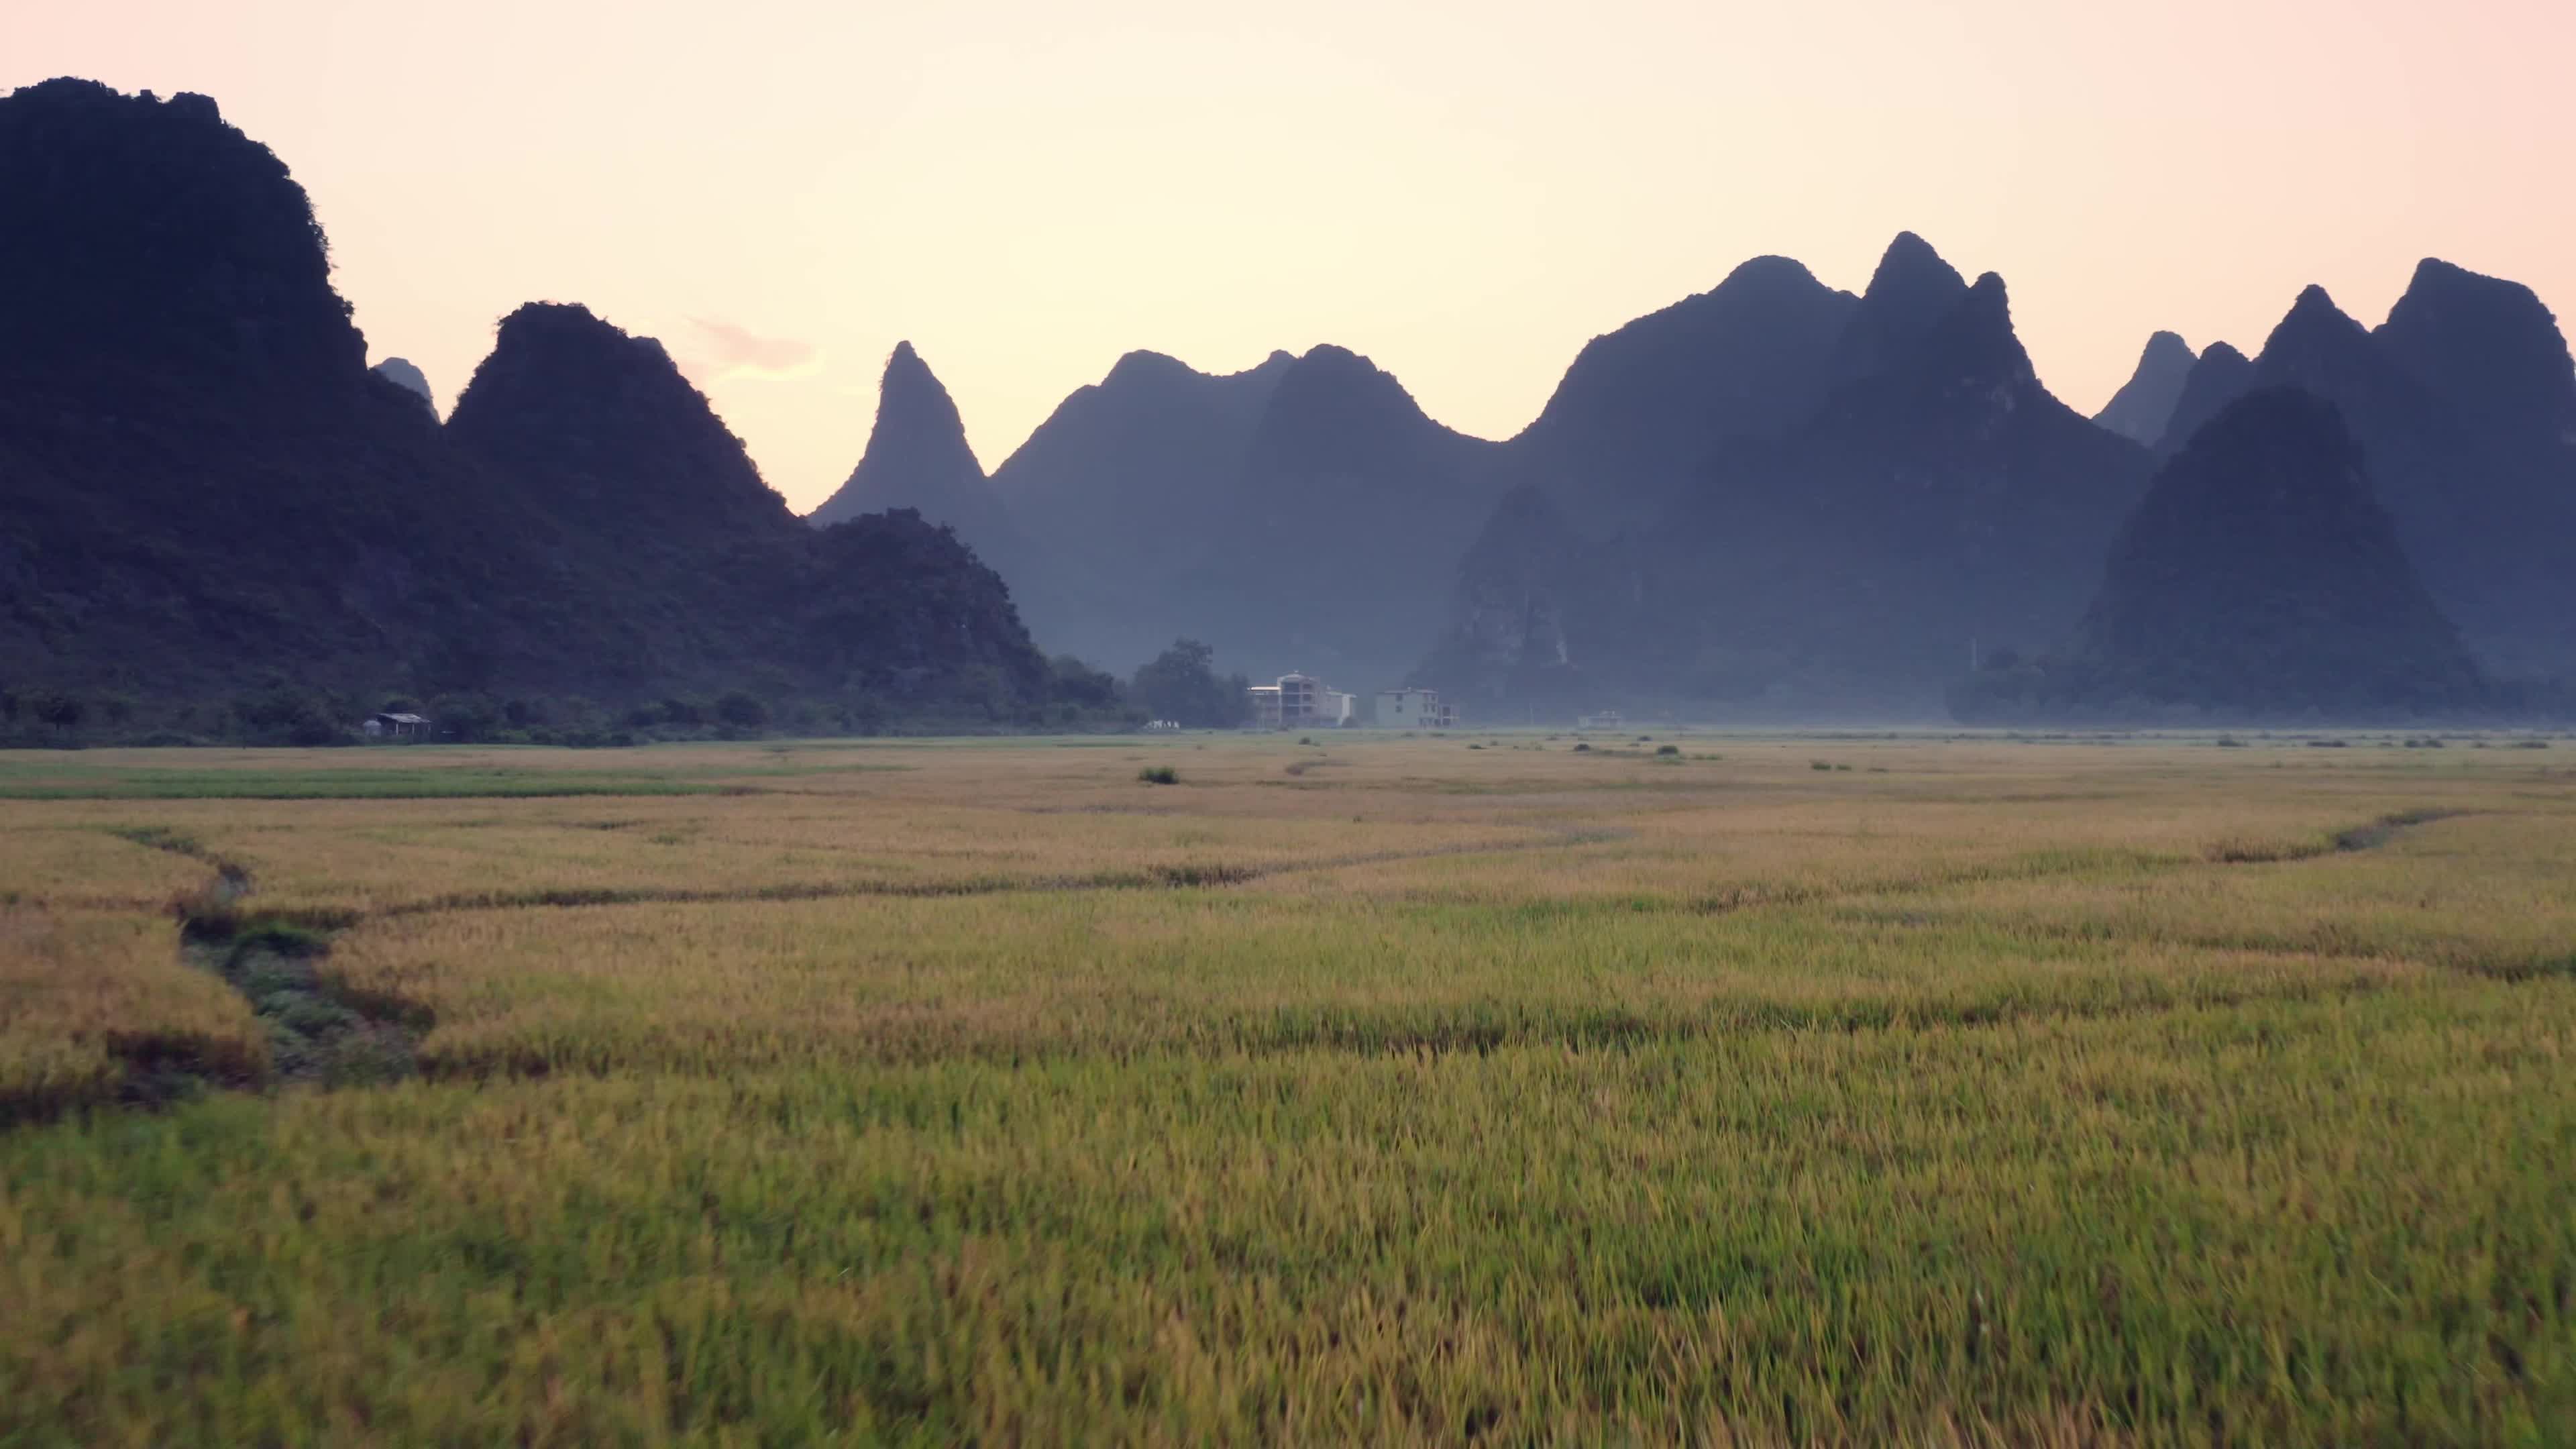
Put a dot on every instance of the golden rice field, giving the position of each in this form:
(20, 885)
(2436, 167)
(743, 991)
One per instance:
(1384, 1090)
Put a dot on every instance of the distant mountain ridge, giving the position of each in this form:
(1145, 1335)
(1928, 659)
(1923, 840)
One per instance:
(1771, 497)
(1282, 513)
(1844, 558)
(2462, 402)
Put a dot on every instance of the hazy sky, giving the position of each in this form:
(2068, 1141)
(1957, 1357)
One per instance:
(782, 189)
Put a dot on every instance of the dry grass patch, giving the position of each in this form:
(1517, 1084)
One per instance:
(97, 1007)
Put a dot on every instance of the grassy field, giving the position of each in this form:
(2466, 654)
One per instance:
(1828, 1090)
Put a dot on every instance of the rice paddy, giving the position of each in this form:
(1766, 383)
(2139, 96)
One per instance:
(1440, 1090)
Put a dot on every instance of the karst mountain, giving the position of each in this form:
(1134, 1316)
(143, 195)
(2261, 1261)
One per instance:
(2260, 578)
(1772, 499)
(205, 490)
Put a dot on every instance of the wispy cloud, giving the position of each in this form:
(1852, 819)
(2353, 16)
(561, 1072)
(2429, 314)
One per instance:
(732, 352)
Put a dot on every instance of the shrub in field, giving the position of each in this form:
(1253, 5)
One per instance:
(1159, 775)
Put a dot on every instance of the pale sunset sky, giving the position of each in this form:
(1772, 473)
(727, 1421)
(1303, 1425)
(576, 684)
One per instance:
(782, 189)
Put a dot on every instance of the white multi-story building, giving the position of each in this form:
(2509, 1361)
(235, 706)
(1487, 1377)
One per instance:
(1414, 709)
(1300, 701)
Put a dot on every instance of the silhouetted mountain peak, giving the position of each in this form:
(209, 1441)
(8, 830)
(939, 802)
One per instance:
(916, 404)
(1644, 409)
(2261, 574)
(1911, 273)
(1967, 370)
(1909, 294)
(2491, 349)
(2315, 321)
(1767, 274)
(1144, 367)
(401, 373)
(2144, 405)
(2319, 347)
(2434, 278)
(917, 456)
(1334, 388)
(148, 239)
(608, 426)
(1331, 359)
(558, 345)
(2221, 376)
(1977, 337)
(203, 487)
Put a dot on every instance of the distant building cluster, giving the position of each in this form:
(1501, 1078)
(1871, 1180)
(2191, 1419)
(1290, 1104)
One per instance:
(1301, 701)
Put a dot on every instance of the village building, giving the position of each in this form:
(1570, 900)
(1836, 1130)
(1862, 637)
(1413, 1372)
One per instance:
(1300, 701)
(1415, 709)
(391, 725)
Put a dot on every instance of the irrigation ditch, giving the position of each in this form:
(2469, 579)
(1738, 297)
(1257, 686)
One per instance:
(320, 1033)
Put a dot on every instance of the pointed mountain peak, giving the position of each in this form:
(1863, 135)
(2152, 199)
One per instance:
(2316, 313)
(1908, 296)
(916, 400)
(1911, 268)
(908, 386)
(2318, 346)
(917, 456)
(2144, 405)
(1913, 262)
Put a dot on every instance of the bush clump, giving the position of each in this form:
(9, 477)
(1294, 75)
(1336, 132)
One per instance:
(1159, 775)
